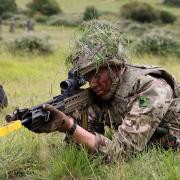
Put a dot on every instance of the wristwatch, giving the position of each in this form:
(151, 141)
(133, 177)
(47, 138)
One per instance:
(71, 130)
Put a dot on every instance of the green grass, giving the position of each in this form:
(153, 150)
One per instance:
(29, 80)
(32, 80)
(154, 164)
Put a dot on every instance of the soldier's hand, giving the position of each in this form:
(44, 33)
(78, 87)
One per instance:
(58, 121)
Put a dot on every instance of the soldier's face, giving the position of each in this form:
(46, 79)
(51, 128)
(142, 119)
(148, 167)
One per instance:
(100, 82)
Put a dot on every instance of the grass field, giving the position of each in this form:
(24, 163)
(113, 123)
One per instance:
(29, 80)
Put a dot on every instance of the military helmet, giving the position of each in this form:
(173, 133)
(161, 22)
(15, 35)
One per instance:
(100, 44)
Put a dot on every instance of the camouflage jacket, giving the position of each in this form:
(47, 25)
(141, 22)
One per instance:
(143, 101)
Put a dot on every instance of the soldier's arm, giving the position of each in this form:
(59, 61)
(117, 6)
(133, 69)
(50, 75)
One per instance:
(88, 138)
(138, 126)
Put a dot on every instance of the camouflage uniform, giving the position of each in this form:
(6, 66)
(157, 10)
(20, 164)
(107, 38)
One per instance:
(142, 102)
(144, 99)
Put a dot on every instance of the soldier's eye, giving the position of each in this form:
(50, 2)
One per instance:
(97, 76)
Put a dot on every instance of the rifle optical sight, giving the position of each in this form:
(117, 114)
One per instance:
(73, 83)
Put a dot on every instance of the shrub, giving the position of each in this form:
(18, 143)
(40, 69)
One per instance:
(20, 20)
(90, 13)
(7, 6)
(172, 2)
(18, 17)
(41, 18)
(133, 28)
(7, 15)
(30, 43)
(64, 20)
(141, 12)
(45, 7)
(145, 13)
(167, 17)
(159, 42)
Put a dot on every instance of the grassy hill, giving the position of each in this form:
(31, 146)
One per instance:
(30, 79)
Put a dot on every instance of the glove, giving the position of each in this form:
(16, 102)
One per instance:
(58, 121)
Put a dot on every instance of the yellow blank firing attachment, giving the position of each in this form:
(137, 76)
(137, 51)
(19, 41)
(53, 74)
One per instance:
(10, 127)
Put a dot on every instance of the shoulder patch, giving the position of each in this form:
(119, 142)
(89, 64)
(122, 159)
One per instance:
(143, 101)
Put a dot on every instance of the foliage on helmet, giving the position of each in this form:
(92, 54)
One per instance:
(99, 43)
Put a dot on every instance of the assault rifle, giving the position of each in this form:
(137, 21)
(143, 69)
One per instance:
(72, 99)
